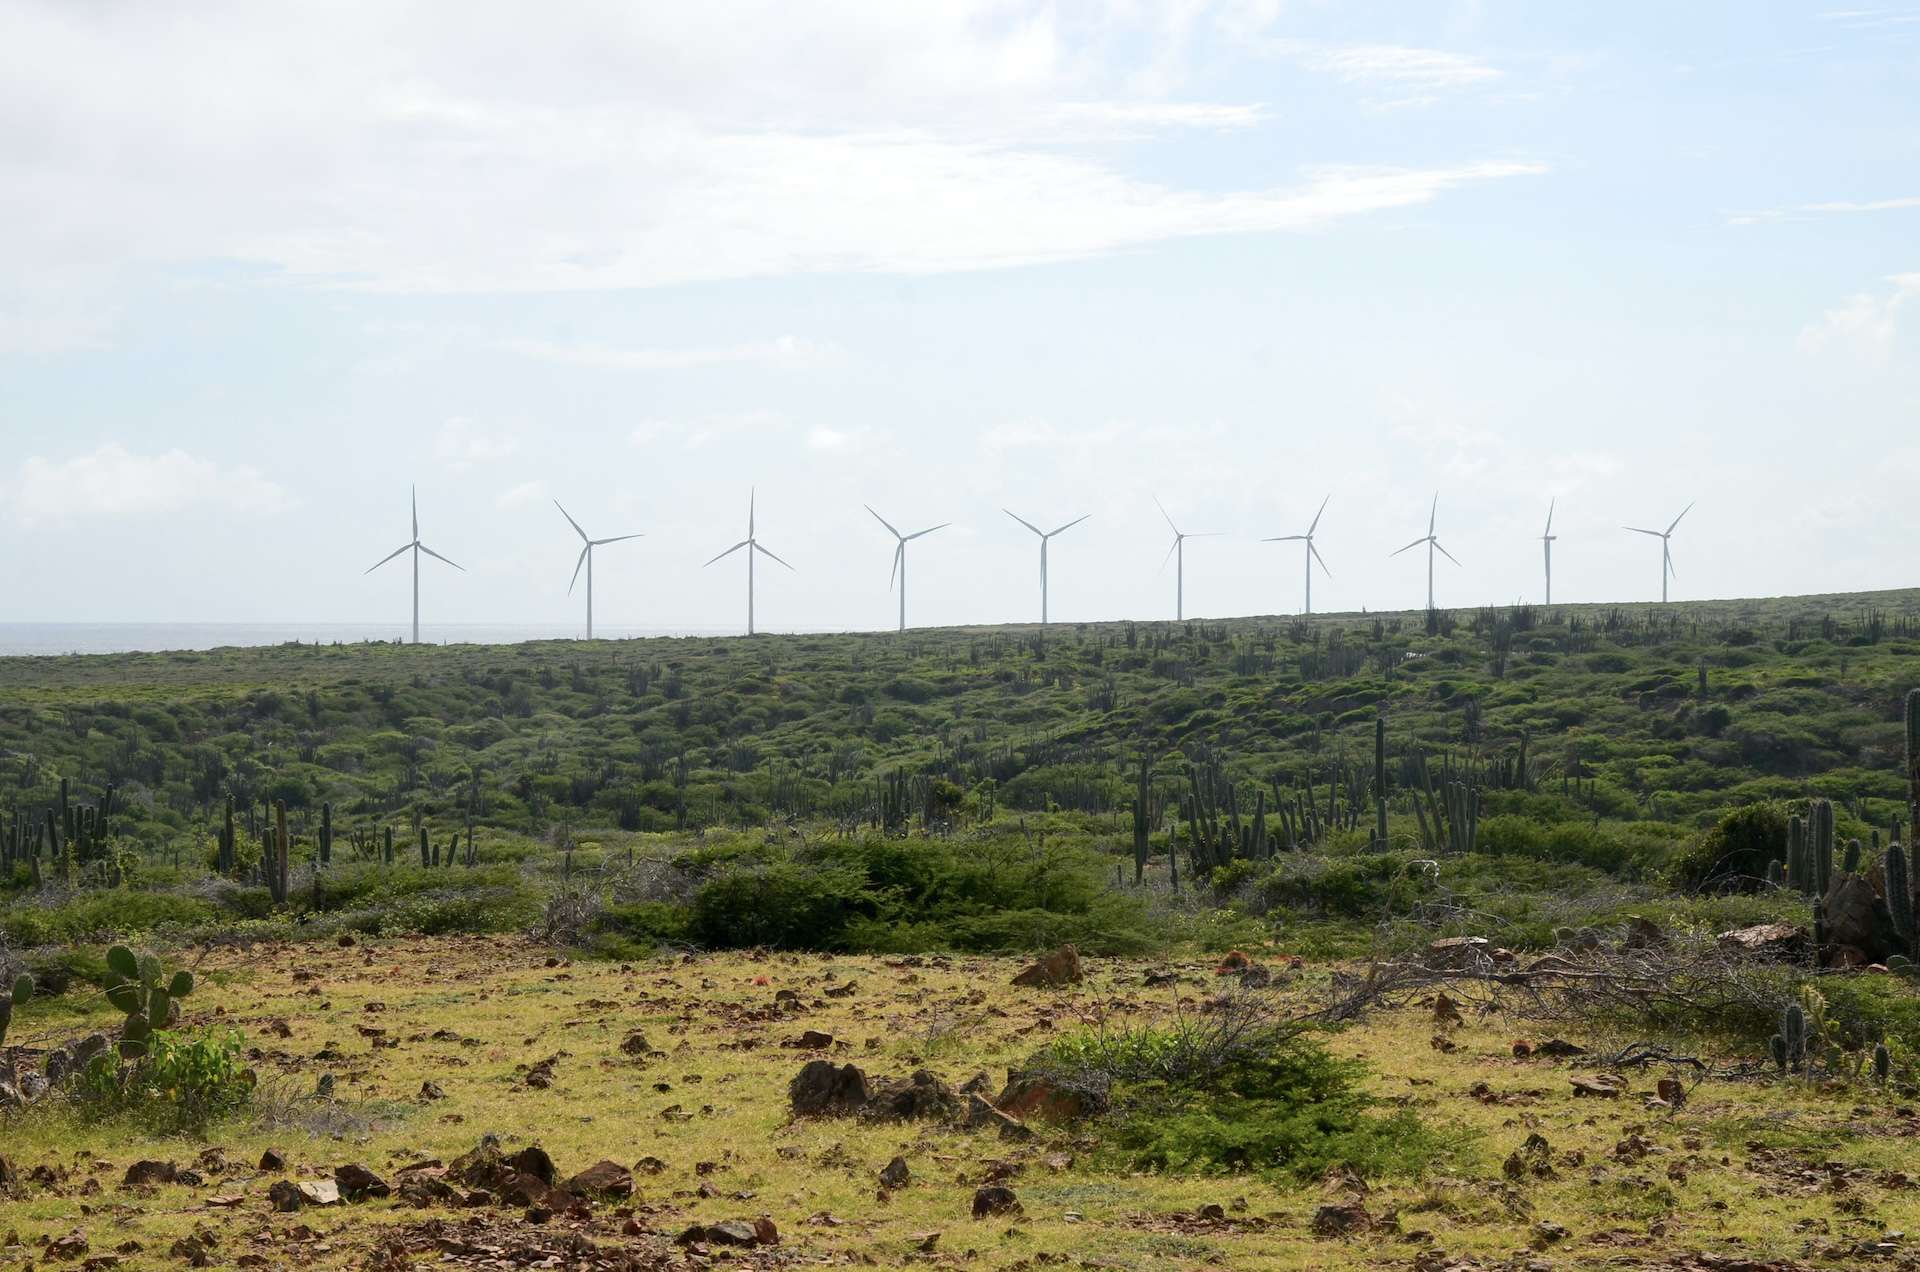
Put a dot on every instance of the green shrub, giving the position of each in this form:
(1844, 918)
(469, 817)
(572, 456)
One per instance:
(1734, 852)
(178, 1082)
(1290, 1110)
(785, 906)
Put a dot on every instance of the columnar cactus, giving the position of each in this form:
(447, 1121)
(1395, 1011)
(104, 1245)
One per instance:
(1882, 1063)
(1820, 841)
(326, 834)
(1900, 895)
(1913, 765)
(140, 987)
(16, 997)
(1797, 852)
(1794, 1030)
(1850, 861)
(1380, 783)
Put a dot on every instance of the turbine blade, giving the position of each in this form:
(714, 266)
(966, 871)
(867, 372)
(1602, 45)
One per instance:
(752, 494)
(1548, 532)
(1284, 538)
(1169, 556)
(1023, 521)
(1070, 525)
(618, 538)
(1445, 553)
(1316, 516)
(1676, 521)
(436, 556)
(383, 560)
(730, 551)
(1163, 512)
(413, 496)
(1432, 513)
(570, 521)
(758, 548)
(1316, 556)
(1416, 543)
(899, 550)
(882, 520)
(1637, 530)
(576, 568)
(1668, 555)
(929, 530)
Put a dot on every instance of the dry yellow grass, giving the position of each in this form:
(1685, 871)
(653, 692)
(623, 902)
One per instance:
(1764, 1171)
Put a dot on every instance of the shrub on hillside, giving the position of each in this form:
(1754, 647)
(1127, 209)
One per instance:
(1733, 853)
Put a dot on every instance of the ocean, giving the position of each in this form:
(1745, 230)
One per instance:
(17, 639)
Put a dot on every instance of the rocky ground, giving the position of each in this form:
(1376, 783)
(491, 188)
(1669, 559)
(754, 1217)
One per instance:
(454, 1102)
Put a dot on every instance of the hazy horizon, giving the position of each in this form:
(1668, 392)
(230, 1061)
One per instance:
(944, 259)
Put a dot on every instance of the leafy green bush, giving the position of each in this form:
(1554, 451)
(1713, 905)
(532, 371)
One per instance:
(177, 1082)
(784, 905)
(1280, 1107)
(1734, 852)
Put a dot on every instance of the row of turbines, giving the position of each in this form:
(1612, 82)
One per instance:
(897, 575)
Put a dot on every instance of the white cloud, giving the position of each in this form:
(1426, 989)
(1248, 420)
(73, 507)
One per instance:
(783, 351)
(828, 439)
(634, 146)
(1409, 76)
(1831, 208)
(1865, 325)
(113, 482)
(520, 496)
(462, 445)
(695, 434)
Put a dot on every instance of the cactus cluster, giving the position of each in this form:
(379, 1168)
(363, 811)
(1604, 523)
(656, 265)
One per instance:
(139, 986)
(1882, 1063)
(17, 996)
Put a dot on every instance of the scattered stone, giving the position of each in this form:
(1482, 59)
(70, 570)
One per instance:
(1765, 940)
(1032, 1096)
(148, 1173)
(732, 1232)
(604, 1180)
(636, 1044)
(1341, 1219)
(1607, 1086)
(431, 1090)
(71, 1246)
(357, 1183)
(981, 1115)
(1062, 967)
(895, 1174)
(811, 1040)
(1546, 1233)
(824, 1089)
(1672, 1091)
(922, 1097)
(273, 1159)
(995, 1199)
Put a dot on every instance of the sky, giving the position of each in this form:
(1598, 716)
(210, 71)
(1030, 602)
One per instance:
(264, 268)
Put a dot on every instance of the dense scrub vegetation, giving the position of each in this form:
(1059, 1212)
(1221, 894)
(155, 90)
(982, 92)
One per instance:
(969, 789)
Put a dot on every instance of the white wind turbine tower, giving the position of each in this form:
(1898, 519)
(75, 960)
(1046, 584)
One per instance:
(1044, 536)
(1546, 541)
(752, 545)
(1313, 553)
(416, 547)
(1433, 542)
(1179, 549)
(900, 557)
(586, 559)
(1666, 550)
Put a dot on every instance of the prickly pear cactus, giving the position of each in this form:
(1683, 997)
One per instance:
(140, 987)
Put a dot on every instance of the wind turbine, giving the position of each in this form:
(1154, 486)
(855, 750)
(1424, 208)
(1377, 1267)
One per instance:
(900, 557)
(752, 545)
(1313, 553)
(1433, 542)
(417, 548)
(1666, 550)
(1546, 541)
(586, 559)
(1179, 549)
(1044, 536)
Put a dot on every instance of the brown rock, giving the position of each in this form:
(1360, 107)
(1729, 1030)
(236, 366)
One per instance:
(636, 1044)
(1858, 923)
(895, 1174)
(1672, 1090)
(1765, 940)
(981, 1115)
(995, 1199)
(1341, 1219)
(1062, 967)
(533, 1160)
(923, 1097)
(145, 1174)
(1033, 1096)
(273, 1159)
(811, 1040)
(1458, 952)
(357, 1183)
(71, 1246)
(603, 1180)
(1606, 1086)
(824, 1089)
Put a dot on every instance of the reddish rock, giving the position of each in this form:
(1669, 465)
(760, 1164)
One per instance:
(1062, 967)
